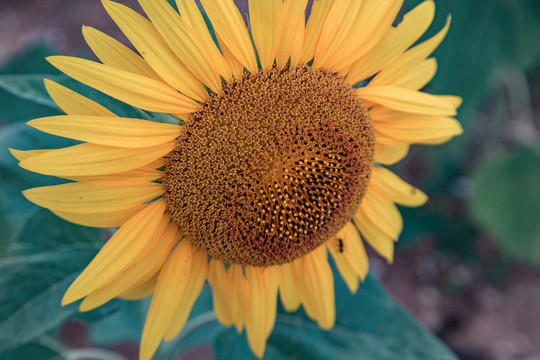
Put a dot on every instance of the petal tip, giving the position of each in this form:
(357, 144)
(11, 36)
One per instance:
(15, 153)
(67, 298)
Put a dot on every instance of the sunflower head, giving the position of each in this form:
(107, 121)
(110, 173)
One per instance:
(286, 156)
(276, 158)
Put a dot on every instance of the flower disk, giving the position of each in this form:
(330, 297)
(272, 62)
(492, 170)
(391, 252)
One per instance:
(272, 167)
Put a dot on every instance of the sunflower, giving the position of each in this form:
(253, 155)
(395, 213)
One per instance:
(275, 156)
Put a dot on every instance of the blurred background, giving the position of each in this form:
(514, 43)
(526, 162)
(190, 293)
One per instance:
(468, 263)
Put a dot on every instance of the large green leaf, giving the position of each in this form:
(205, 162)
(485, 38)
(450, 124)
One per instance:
(8, 232)
(507, 202)
(369, 325)
(45, 232)
(18, 84)
(46, 257)
(37, 311)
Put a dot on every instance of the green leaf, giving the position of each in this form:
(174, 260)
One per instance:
(15, 108)
(26, 65)
(369, 325)
(7, 234)
(47, 256)
(125, 325)
(507, 202)
(33, 288)
(32, 351)
(45, 231)
(40, 310)
(30, 60)
(30, 87)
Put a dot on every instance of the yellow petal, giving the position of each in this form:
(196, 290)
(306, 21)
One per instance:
(192, 16)
(355, 252)
(26, 154)
(407, 100)
(261, 314)
(228, 23)
(373, 23)
(388, 155)
(113, 53)
(266, 21)
(182, 42)
(237, 69)
(238, 294)
(142, 268)
(294, 29)
(350, 255)
(415, 77)
(140, 291)
(156, 164)
(412, 57)
(345, 269)
(91, 159)
(437, 141)
(388, 184)
(94, 197)
(319, 287)
(146, 39)
(383, 214)
(418, 129)
(385, 140)
(337, 25)
(100, 220)
(455, 101)
(172, 282)
(197, 277)
(316, 21)
(106, 130)
(419, 76)
(117, 252)
(143, 173)
(220, 292)
(72, 103)
(136, 90)
(287, 289)
(297, 269)
(393, 43)
(378, 240)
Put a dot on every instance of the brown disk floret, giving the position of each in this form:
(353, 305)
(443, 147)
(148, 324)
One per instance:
(272, 167)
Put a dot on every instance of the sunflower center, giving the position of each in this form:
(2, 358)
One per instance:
(272, 167)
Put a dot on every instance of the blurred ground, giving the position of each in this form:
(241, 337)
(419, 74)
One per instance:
(481, 314)
(479, 318)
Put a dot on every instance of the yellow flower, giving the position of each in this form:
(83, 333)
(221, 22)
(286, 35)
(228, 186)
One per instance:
(277, 159)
